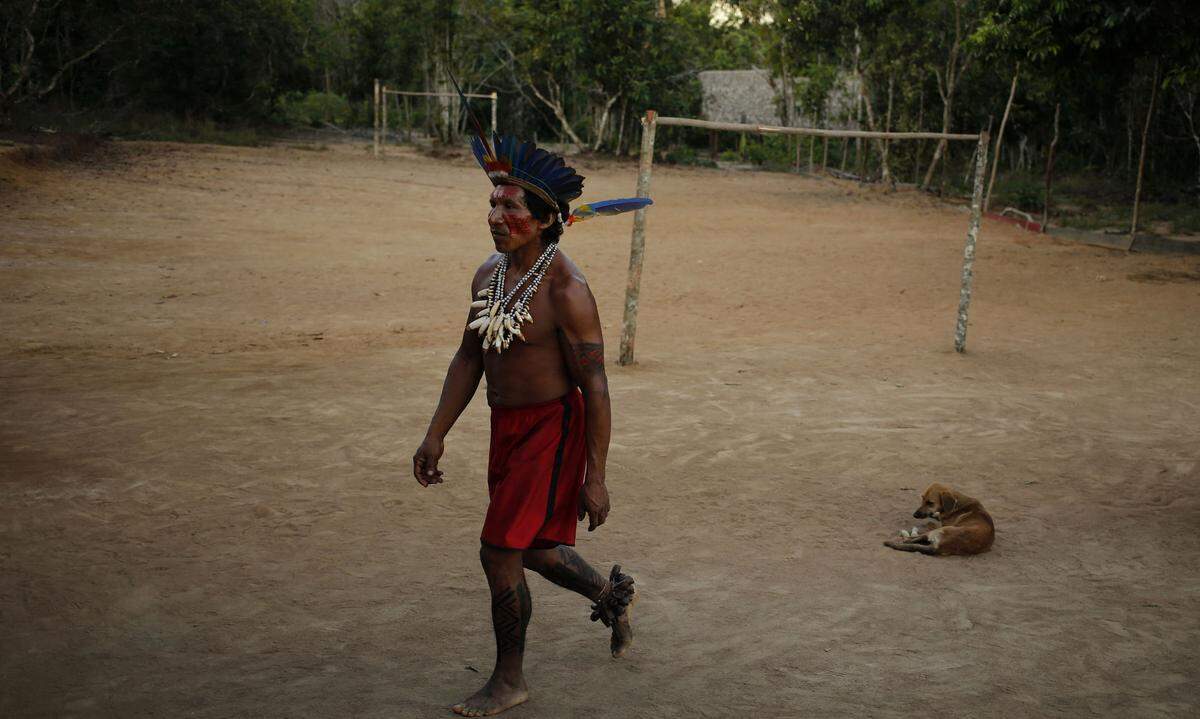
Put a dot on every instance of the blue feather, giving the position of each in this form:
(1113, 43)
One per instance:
(608, 207)
(616, 207)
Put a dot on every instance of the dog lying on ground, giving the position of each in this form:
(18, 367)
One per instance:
(963, 526)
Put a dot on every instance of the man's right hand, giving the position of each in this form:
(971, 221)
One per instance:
(425, 462)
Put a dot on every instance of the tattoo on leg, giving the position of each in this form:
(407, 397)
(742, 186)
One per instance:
(511, 610)
(569, 570)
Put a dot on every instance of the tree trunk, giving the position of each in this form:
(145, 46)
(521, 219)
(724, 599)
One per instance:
(940, 148)
(865, 99)
(554, 102)
(1137, 193)
(785, 78)
(1188, 110)
(887, 127)
(445, 130)
(858, 125)
(919, 143)
(621, 127)
(953, 73)
(1050, 169)
(604, 121)
(1129, 122)
(858, 106)
(1012, 92)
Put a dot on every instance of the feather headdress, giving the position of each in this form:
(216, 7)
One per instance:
(509, 161)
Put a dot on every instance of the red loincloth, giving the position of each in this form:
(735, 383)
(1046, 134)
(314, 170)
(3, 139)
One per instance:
(535, 471)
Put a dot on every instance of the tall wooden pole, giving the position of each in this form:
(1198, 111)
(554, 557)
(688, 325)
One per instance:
(495, 100)
(375, 111)
(886, 171)
(637, 244)
(1137, 193)
(383, 119)
(1050, 169)
(917, 148)
(987, 200)
(968, 268)
(407, 120)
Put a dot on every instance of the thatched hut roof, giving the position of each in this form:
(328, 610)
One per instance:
(746, 96)
(753, 97)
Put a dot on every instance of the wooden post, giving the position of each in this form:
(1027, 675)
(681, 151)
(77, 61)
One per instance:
(1137, 193)
(887, 127)
(383, 120)
(812, 149)
(407, 120)
(824, 154)
(917, 148)
(968, 268)
(637, 244)
(495, 101)
(1050, 169)
(1012, 91)
(375, 112)
(858, 117)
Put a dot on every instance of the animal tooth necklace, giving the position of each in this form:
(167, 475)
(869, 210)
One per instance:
(497, 325)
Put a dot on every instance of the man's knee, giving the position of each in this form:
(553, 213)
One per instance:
(539, 560)
(495, 558)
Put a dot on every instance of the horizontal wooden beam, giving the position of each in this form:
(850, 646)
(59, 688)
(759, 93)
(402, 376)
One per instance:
(778, 130)
(437, 94)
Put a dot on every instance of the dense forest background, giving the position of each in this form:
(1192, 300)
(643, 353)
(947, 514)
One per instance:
(583, 71)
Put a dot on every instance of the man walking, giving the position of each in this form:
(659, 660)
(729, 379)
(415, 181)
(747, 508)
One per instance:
(550, 419)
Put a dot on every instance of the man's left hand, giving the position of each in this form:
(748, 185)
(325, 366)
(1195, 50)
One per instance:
(593, 502)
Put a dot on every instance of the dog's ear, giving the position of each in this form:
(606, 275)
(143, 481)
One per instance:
(948, 501)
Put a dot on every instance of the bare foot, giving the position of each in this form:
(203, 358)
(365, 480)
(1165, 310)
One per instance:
(622, 630)
(493, 698)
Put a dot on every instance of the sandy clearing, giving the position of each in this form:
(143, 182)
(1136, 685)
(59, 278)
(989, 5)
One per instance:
(217, 362)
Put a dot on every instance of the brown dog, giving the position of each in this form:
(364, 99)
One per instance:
(965, 526)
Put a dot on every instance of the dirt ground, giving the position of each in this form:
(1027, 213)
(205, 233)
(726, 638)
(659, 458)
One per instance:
(217, 362)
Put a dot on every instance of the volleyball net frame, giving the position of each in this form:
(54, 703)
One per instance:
(652, 121)
(380, 107)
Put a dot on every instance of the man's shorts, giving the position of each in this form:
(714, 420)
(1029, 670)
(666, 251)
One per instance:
(535, 472)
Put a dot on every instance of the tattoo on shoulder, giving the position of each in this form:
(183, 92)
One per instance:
(588, 358)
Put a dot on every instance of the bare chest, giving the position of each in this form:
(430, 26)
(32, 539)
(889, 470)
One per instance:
(537, 325)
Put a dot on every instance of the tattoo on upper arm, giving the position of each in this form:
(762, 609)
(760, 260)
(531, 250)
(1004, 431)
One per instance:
(587, 359)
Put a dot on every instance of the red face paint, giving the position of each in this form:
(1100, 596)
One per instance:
(517, 226)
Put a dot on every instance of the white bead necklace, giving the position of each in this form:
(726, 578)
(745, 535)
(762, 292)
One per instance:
(497, 325)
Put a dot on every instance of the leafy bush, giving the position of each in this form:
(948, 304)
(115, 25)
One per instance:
(168, 128)
(772, 151)
(314, 109)
(686, 155)
(1023, 193)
